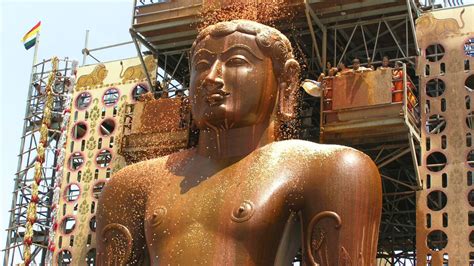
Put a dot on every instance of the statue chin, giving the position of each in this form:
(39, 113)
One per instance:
(209, 117)
(225, 117)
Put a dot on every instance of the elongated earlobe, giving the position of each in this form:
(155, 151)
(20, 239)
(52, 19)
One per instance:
(288, 90)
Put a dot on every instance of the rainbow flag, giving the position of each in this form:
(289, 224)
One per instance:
(29, 40)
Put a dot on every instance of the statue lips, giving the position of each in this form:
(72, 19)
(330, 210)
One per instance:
(216, 97)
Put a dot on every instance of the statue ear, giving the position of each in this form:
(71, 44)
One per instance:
(288, 90)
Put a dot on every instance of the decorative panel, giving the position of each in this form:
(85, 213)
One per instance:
(444, 206)
(94, 135)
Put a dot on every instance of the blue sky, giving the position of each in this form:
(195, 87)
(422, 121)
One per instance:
(62, 34)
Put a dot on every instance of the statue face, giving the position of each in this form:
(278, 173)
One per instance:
(232, 82)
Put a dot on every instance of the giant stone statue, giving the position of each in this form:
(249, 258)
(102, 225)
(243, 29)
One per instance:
(243, 196)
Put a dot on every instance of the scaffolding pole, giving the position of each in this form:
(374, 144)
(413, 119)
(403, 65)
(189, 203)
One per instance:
(30, 139)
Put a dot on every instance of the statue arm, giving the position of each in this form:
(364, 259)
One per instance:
(342, 209)
(120, 216)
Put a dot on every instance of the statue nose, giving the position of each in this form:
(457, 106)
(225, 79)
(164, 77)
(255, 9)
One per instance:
(212, 85)
(213, 80)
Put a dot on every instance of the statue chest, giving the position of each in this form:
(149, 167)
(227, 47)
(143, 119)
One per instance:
(242, 204)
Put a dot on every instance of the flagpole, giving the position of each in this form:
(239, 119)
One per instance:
(33, 68)
(35, 55)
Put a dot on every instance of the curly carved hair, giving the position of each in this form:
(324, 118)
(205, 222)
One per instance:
(271, 41)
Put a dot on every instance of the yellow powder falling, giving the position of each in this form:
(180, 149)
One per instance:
(268, 13)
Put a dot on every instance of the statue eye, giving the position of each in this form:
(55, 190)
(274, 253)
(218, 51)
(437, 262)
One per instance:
(236, 62)
(202, 65)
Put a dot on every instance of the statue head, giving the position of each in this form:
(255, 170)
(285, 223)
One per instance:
(242, 73)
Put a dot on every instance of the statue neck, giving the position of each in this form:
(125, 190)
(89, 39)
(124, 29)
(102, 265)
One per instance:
(234, 143)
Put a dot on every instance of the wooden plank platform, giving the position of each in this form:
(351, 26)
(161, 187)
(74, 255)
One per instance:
(173, 24)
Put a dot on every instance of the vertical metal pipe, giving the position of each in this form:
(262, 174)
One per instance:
(365, 43)
(35, 55)
(313, 36)
(376, 40)
(324, 47)
(335, 46)
(140, 56)
(134, 12)
(84, 51)
(406, 36)
(165, 75)
(405, 94)
(413, 30)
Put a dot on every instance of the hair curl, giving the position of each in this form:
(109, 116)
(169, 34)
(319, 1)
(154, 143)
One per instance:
(271, 41)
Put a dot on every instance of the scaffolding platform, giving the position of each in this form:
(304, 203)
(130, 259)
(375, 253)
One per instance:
(171, 25)
(362, 108)
(167, 24)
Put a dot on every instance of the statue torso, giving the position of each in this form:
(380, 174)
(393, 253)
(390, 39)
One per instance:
(202, 212)
(234, 215)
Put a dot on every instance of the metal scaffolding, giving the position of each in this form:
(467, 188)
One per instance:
(398, 228)
(27, 158)
(368, 30)
(172, 72)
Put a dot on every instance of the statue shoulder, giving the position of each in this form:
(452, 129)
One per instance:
(138, 176)
(307, 150)
(146, 174)
(316, 157)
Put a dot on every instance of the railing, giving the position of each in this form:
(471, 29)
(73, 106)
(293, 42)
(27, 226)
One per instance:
(149, 2)
(327, 94)
(411, 105)
(359, 90)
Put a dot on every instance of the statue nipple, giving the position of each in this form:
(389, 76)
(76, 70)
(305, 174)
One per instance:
(158, 216)
(243, 212)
